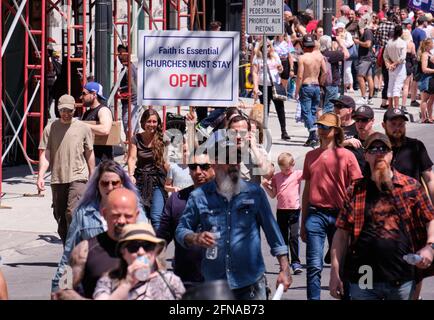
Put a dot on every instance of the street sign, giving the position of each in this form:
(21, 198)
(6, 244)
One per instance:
(193, 68)
(264, 17)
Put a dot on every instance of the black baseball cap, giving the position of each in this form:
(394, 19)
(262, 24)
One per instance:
(394, 113)
(344, 102)
(308, 40)
(363, 112)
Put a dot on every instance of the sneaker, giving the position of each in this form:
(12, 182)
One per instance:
(415, 104)
(361, 101)
(404, 109)
(296, 268)
(370, 102)
(203, 131)
(285, 136)
(311, 143)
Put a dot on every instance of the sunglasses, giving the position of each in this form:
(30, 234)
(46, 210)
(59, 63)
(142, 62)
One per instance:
(134, 246)
(115, 183)
(378, 150)
(85, 93)
(323, 127)
(202, 166)
(362, 120)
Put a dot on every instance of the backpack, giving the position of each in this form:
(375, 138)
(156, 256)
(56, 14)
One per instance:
(175, 121)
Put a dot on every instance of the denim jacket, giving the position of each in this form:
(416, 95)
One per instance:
(86, 223)
(239, 259)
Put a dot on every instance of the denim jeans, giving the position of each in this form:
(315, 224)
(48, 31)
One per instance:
(319, 224)
(157, 207)
(383, 291)
(256, 291)
(309, 100)
(331, 92)
(288, 221)
(135, 110)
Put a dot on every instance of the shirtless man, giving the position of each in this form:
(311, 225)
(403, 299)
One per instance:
(310, 65)
(91, 258)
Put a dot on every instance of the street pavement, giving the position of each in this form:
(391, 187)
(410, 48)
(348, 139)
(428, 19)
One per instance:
(30, 247)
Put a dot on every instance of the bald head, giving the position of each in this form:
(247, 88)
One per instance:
(120, 209)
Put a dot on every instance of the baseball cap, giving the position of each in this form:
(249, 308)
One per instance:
(344, 102)
(308, 40)
(363, 112)
(95, 87)
(286, 8)
(377, 136)
(394, 113)
(66, 102)
(329, 119)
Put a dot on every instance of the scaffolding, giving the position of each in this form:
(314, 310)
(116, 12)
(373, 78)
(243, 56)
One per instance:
(77, 48)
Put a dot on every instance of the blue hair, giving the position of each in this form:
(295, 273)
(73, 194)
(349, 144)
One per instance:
(92, 191)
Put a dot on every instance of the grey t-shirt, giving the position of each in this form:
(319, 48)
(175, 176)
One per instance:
(366, 54)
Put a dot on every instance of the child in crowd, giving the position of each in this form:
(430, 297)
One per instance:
(285, 185)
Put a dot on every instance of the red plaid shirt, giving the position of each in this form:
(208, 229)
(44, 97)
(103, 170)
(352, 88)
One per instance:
(411, 202)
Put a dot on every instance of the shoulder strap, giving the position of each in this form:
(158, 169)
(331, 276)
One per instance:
(167, 284)
(269, 75)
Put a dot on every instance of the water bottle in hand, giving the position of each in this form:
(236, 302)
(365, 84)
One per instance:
(412, 258)
(211, 253)
(142, 273)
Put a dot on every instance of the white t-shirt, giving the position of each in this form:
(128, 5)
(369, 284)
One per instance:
(272, 66)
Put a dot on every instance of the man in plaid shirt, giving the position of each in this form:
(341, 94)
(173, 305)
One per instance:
(382, 33)
(386, 216)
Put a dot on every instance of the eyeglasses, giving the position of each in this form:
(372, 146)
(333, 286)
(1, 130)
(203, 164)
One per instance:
(202, 166)
(378, 150)
(115, 183)
(134, 246)
(362, 120)
(323, 127)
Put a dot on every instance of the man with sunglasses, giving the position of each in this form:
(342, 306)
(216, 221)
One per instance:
(67, 149)
(187, 262)
(386, 216)
(91, 258)
(92, 96)
(364, 120)
(238, 209)
(328, 171)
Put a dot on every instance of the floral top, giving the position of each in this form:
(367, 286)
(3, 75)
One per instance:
(155, 288)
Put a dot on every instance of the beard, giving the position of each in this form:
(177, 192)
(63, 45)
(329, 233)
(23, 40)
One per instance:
(382, 177)
(118, 230)
(228, 185)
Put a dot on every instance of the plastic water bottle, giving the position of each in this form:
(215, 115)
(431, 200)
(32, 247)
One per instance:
(143, 273)
(211, 253)
(412, 258)
(278, 293)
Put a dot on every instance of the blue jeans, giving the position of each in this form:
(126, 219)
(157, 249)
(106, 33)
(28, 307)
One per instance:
(309, 100)
(135, 110)
(256, 291)
(383, 291)
(319, 224)
(331, 92)
(157, 207)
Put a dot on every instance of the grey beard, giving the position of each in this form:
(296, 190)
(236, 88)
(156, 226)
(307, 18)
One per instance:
(226, 186)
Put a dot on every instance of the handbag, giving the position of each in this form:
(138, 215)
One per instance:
(277, 90)
(354, 53)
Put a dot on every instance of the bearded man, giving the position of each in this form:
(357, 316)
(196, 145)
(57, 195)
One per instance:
(237, 209)
(386, 216)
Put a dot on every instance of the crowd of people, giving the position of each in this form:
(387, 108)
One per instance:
(370, 194)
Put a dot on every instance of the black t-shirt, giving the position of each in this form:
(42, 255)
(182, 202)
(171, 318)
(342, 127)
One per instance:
(334, 57)
(411, 158)
(366, 54)
(349, 133)
(382, 243)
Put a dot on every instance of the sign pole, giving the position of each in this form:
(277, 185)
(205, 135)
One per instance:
(264, 81)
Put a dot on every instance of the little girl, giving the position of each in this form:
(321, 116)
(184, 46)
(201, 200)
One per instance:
(285, 185)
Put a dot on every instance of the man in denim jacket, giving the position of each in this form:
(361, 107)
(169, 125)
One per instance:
(237, 209)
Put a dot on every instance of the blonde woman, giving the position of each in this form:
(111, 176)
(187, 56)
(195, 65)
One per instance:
(425, 73)
(410, 63)
(283, 49)
(274, 65)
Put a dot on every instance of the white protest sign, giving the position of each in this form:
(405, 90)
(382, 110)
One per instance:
(264, 17)
(196, 68)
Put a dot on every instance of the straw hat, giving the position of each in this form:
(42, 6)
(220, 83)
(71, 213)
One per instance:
(140, 232)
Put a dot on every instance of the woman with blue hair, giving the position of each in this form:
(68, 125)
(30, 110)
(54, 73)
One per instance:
(87, 222)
